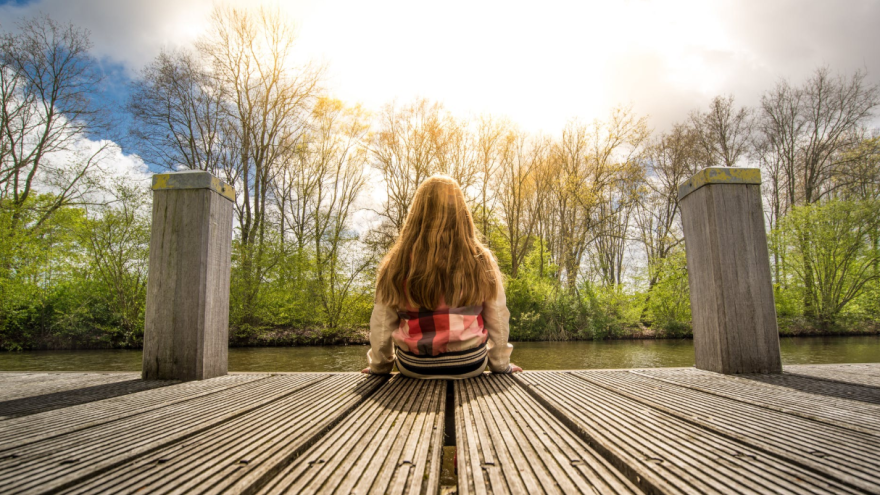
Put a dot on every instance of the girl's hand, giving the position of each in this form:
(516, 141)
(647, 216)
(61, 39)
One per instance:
(515, 369)
(366, 371)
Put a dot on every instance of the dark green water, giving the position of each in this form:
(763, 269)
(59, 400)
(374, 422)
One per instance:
(529, 355)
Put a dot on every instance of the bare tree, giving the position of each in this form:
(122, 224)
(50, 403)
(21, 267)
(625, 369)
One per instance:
(614, 218)
(522, 189)
(181, 116)
(668, 161)
(268, 100)
(808, 134)
(48, 81)
(494, 138)
(590, 162)
(859, 174)
(723, 133)
(456, 153)
(405, 152)
(782, 126)
(810, 128)
(330, 177)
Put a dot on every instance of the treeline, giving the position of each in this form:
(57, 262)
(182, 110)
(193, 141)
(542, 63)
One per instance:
(585, 223)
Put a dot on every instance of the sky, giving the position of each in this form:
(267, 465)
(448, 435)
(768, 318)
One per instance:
(538, 63)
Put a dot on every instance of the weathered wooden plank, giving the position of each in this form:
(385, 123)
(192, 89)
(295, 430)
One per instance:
(669, 431)
(16, 378)
(63, 461)
(664, 454)
(850, 414)
(28, 429)
(241, 454)
(820, 387)
(846, 369)
(872, 369)
(835, 373)
(523, 449)
(390, 444)
(9, 377)
(51, 384)
(848, 456)
(57, 400)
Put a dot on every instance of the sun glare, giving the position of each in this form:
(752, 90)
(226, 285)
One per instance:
(501, 57)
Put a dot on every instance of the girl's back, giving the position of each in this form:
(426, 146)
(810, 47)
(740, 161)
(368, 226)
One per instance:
(439, 297)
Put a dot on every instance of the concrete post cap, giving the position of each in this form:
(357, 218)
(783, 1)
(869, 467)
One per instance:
(193, 179)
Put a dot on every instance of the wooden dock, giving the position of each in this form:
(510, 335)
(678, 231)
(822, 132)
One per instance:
(808, 429)
(812, 429)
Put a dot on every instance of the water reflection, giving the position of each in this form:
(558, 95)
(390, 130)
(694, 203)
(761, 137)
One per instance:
(529, 355)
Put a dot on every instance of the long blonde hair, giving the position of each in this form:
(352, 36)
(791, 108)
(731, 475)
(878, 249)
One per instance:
(437, 253)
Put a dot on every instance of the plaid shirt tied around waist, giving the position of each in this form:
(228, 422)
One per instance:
(431, 333)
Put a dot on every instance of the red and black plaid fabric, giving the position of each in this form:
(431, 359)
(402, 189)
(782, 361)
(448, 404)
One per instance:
(434, 333)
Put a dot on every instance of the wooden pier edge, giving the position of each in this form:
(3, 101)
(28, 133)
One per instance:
(813, 429)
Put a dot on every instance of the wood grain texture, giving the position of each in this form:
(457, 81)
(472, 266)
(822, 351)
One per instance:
(28, 429)
(662, 453)
(66, 460)
(187, 311)
(13, 377)
(672, 431)
(865, 369)
(847, 456)
(33, 385)
(775, 395)
(507, 443)
(244, 453)
(839, 373)
(821, 388)
(89, 392)
(390, 444)
(734, 316)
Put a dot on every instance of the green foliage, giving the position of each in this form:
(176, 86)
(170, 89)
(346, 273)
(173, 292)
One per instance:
(29, 274)
(78, 280)
(831, 261)
(542, 309)
(616, 311)
(74, 280)
(668, 302)
(292, 298)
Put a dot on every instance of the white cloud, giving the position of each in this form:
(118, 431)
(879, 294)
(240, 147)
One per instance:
(109, 167)
(131, 33)
(116, 165)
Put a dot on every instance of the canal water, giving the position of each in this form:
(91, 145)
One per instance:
(529, 355)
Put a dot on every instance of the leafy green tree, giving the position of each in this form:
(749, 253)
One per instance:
(669, 297)
(830, 242)
(116, 242)
(36, 263)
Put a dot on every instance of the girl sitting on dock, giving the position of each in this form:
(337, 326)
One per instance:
(440, 308)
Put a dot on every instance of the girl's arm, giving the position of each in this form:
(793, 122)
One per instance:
(496, 318)
(383, 322)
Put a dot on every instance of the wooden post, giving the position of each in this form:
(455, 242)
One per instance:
(734, 315)
(187, 313)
